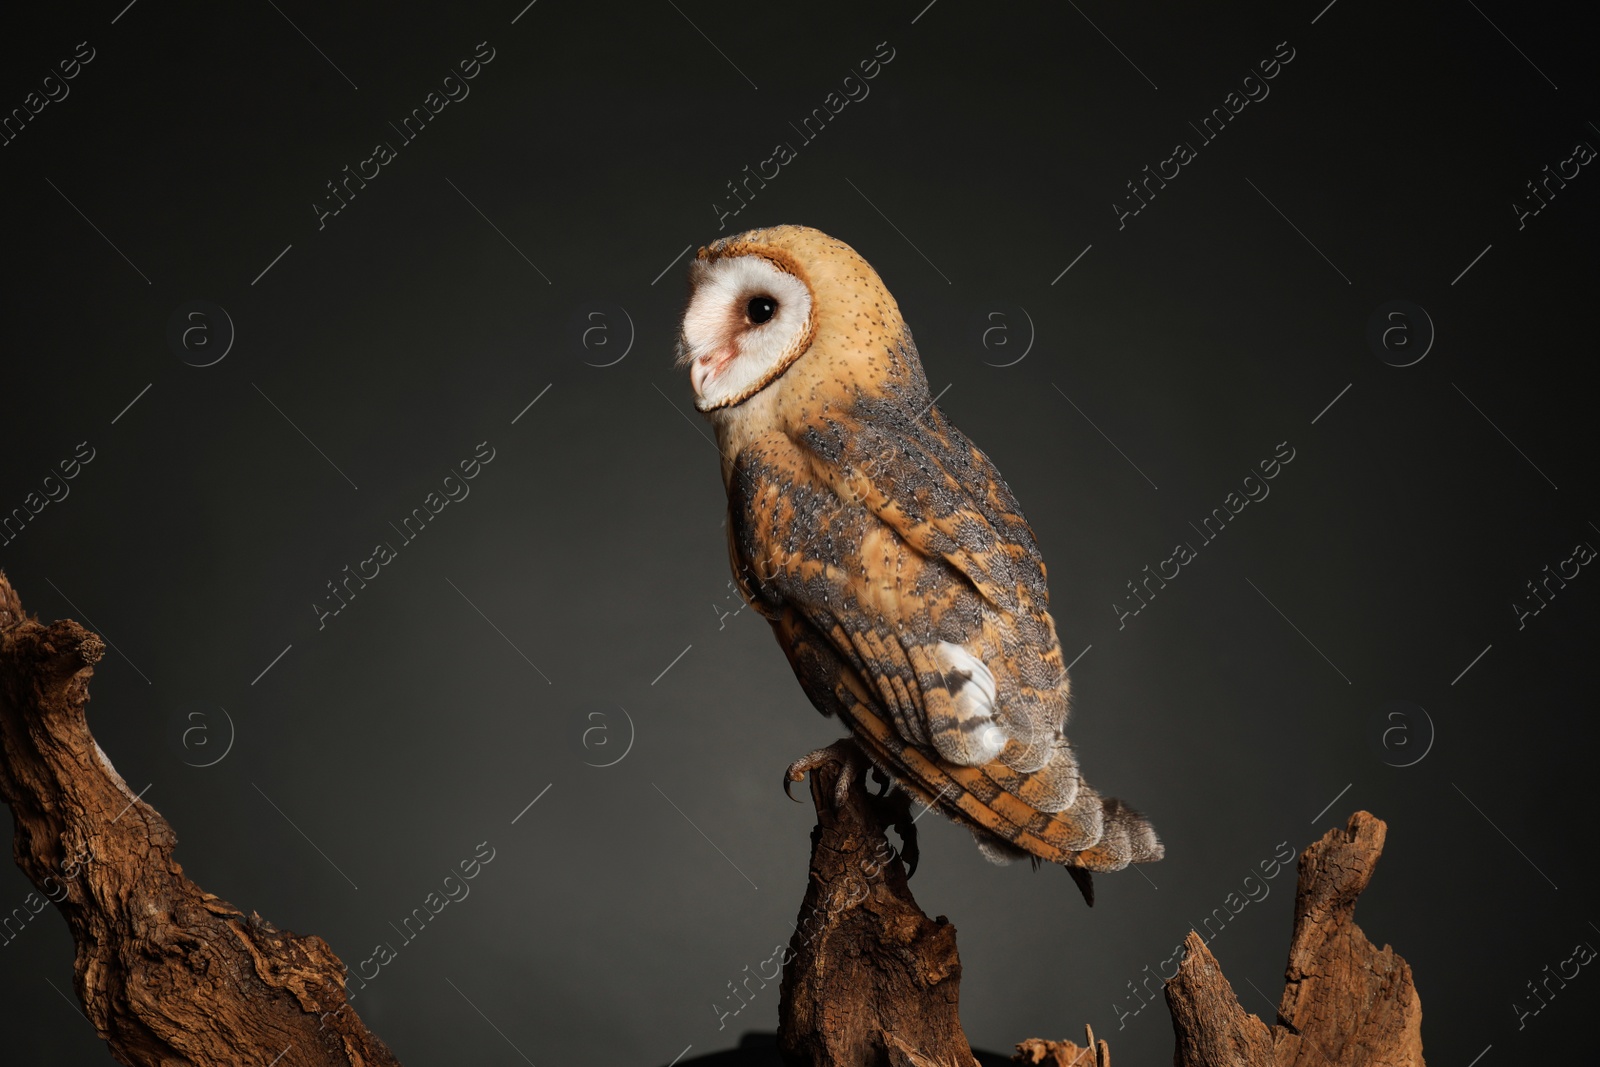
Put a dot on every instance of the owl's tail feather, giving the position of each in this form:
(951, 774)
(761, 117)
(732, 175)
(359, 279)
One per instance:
(1059, 807)
(1129, 838)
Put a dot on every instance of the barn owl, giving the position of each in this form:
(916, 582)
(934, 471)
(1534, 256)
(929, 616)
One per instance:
(891, 559)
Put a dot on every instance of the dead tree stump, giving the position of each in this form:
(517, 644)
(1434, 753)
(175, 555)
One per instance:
(1346, 1003)
(869, 980)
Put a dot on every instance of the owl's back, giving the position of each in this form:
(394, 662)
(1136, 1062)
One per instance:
(908, 590)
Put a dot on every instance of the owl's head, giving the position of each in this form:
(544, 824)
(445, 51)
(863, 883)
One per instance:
(762, 300)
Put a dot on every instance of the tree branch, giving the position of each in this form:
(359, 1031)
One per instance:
(166, 972)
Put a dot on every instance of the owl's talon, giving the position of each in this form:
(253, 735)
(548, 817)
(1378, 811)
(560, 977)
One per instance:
(853, 769)
(797, 771)
(896, 809)
(842, 752)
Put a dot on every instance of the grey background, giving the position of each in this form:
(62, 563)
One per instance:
(1208, 330)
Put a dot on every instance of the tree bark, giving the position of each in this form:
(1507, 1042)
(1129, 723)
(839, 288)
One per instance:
(1211, 1027)
(1346, 1003)
(166, 972)
(869, 980)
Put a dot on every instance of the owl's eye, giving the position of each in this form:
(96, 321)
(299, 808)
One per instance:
(760, 309)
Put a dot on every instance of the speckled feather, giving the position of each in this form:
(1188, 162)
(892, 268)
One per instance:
(900, 575)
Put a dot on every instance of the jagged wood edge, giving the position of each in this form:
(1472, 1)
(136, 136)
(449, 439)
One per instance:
(1346, 1003)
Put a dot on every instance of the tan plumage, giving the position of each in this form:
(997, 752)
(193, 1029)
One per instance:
(894, 564)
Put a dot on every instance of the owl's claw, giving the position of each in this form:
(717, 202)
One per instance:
(897, 802)
(843, 752)
(788, 780)
(797, 771)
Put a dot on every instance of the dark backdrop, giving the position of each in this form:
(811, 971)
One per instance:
(1350, 641)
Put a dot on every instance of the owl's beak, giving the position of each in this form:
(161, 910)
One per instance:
(699, 371)
(709, 366)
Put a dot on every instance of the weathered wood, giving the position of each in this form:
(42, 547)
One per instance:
(868, 978)
(1212, 1029)
(1349, 1002)
(170, 974)
(167, 973)
(1346, 1003)
(1064, 1053)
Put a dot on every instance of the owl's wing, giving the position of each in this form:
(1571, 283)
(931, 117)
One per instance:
(975, 626)
(937, 490)
(893, 559)
(1095, 834)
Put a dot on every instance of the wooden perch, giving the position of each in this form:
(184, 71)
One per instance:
(167, 973)
(868, 979)
(1346, 1003)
